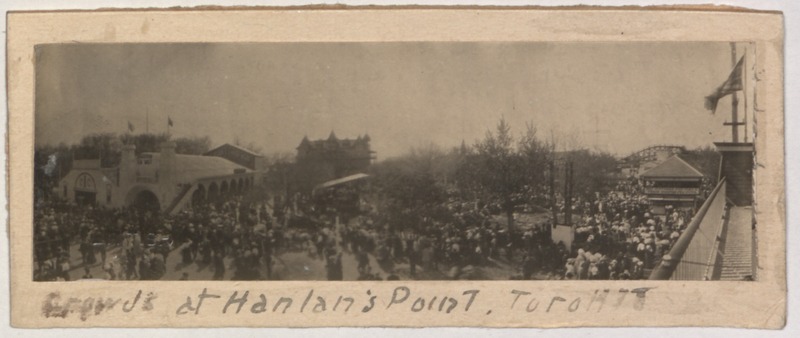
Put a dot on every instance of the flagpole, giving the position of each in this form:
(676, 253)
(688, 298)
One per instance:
(745, 92)
(169, 125)
(734, 101)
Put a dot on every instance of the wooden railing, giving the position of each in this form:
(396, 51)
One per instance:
(691, 256)
(180, 196)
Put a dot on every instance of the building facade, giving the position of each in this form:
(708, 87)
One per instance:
(163, 181)
(328, 159)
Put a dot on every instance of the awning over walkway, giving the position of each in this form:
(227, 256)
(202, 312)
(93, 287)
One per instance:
(340, 181)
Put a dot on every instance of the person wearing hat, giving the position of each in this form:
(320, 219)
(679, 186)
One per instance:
(219, 266)
(204, 248)
(127, 243)
(240, 267)
(86, 273)
(186, 253)
(157, 267)
(613, 270)
(638, 271)
(392, 276)
(63, 267)
(145, 272)
(528, 266)
(333, 265)
(87, 249)
(363, 260)
(582, 265)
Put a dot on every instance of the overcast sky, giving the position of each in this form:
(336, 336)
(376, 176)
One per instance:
(618, 97)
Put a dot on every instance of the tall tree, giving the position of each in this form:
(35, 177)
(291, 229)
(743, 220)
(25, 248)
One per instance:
(536, 156)
(249, 146)
(146, 143)
(407, 188)
(104, 146)
(593, 172)
(706, 159)
(502, 176)
(192, 145)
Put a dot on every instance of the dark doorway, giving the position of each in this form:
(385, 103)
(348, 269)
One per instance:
(199, 196)
(146, 200)
(85, 197)
(213, 193)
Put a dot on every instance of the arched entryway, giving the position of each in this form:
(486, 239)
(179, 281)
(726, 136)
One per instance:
(143, 199)
(85, 190)
(223, 188)
(213, 192)
(199, 195)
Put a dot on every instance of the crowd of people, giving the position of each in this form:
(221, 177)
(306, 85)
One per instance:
(239, 237)
(142, 240)
(59, 226)
(617, 236)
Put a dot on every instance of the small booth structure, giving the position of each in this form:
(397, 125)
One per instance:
(673, 182)
(343, 194)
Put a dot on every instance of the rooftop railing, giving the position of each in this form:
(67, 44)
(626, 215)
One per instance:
(671, 191)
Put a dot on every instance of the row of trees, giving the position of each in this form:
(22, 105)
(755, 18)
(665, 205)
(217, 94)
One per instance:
(500, 170)
(706, 159)
(108, 147)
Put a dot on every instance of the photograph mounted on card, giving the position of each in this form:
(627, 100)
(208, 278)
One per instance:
(508, 173)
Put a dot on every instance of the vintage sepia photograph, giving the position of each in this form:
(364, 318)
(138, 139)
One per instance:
(383, 167)
(368, 161)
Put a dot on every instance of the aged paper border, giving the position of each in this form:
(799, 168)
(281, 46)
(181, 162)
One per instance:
(760, 304)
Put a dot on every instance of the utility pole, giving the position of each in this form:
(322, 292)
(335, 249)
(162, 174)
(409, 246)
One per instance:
(597, 132)
(553, 192)
(568, 193)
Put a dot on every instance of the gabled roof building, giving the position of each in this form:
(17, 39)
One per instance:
(673, 182)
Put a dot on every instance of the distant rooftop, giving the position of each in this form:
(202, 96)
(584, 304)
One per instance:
(673, 167)
(332, 140)
(192, 167)
(237, 147)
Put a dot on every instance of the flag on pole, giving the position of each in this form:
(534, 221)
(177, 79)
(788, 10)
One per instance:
(730, 86)
(169, 121)
(130, 126)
